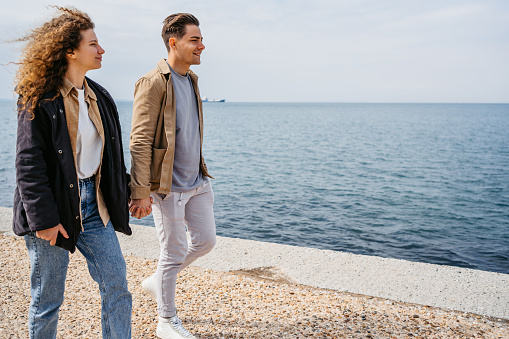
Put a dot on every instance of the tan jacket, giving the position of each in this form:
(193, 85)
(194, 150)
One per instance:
(71, 105)
(153, 132)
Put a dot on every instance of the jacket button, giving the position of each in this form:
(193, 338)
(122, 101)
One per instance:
(77, 217)
(54, 116)
(71, 185)
(61, 111)
(59, 151)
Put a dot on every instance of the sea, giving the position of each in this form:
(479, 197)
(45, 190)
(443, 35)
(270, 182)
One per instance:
(420, 182)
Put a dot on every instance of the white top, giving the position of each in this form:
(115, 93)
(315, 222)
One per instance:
(89, 143)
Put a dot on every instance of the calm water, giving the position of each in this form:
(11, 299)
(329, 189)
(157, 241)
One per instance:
(421, 182)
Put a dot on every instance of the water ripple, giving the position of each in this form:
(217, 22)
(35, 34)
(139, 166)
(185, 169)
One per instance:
(426, 183)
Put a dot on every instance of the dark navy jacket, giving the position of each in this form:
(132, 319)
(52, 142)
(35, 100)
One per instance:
(46, 180)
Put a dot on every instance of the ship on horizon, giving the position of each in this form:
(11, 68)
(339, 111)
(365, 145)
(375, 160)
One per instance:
(205, 99)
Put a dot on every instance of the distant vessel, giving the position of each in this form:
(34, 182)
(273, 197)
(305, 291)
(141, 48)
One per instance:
(205, 99)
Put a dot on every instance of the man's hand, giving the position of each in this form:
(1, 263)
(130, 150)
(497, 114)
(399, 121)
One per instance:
(140, 208)
(51, 234)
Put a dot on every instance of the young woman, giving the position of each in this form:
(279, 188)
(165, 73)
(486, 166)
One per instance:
(72, 184)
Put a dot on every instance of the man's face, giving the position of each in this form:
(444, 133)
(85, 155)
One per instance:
(188, 48)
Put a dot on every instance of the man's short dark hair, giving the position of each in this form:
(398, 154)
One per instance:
(174, 26)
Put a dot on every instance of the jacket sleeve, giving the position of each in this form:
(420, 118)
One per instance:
(146, 107)
(31, 172)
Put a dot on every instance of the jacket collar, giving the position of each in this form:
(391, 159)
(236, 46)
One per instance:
(67, 87)
(164, 68)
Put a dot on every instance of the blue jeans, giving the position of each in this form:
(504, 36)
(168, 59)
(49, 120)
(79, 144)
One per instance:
(106, 264)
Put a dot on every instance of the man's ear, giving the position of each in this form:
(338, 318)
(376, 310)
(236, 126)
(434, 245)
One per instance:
(171, 42)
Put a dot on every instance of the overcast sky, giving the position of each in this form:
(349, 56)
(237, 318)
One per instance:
(300, 51)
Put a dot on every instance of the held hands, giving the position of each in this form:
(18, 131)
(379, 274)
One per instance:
(51, 234)
(140, 208)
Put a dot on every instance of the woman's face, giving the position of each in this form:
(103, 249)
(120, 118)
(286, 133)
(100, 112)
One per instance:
(89, 53)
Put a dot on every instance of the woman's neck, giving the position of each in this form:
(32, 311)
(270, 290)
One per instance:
(75, 77)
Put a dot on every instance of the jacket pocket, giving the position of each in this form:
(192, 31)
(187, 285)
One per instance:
(157, 161)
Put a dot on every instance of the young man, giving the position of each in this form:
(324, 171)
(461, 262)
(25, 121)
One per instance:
(168, 167)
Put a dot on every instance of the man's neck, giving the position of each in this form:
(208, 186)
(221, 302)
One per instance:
(177, 66)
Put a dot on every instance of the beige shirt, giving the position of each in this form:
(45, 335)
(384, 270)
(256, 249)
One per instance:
(71, 106)
(153, 132)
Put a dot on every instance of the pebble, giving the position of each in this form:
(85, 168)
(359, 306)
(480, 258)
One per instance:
(215, 304)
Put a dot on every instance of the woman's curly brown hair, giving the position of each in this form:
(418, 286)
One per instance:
(43, 61)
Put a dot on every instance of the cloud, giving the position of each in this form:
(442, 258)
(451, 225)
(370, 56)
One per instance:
(323, 50)
(442, 16)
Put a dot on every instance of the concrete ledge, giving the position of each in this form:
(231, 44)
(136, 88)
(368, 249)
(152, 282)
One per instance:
(447, 287)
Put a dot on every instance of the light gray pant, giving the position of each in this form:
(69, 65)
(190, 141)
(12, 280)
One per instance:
(172, 213)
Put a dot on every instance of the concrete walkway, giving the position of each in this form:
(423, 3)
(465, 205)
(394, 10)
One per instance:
(447, 287)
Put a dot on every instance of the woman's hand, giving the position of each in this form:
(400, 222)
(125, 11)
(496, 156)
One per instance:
(51, 234)
(140, 208)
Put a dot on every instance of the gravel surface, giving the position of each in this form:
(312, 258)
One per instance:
(446, 287)
(241, 304)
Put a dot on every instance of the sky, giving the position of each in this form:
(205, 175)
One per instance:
(433, 51)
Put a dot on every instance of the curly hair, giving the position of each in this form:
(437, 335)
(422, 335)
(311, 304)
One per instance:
(43, 61)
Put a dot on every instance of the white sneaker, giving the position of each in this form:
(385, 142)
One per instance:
(171, 328)
(150, 286)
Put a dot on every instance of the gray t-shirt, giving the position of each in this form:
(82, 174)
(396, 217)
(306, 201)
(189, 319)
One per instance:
(186, 165)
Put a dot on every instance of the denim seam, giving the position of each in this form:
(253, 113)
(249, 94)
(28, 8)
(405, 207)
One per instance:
(101, 285)
(38, 282)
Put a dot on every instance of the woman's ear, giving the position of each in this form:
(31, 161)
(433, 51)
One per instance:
(70, 55)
